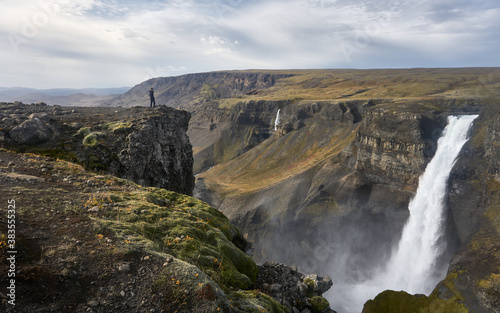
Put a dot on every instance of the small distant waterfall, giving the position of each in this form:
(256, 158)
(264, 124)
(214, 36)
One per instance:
(277, 120)
(413, 265)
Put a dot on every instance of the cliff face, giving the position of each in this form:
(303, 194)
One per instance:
(395, 148)
(188, 90)
(148, 146)
(325, 171)
(220, 134)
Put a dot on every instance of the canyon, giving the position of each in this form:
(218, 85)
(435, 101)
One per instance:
(316, 168)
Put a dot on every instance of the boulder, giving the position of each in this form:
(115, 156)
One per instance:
(43, 117)
(30, 132)
(321, 284)
(291, 288)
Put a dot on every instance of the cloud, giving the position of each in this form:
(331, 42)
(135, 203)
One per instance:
(86, 43)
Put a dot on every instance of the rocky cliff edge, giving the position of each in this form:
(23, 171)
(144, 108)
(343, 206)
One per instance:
(147, 146)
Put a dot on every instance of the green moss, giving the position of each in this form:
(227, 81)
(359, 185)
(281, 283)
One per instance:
(319, 304)
(94, 163)
(189, 229)
(116, 126)
(255, 301)
(92, 139)
(490, 282)
(83, 132)
(184, 288)
(402, 302)
(57, 153)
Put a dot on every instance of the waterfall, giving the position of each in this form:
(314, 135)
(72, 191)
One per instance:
(413, 265)
(277, 120)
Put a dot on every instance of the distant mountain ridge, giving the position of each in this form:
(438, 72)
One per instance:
(60, 96)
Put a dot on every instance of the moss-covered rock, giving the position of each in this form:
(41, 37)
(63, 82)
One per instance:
(91, 139)
(187, 228)
(402, 302)
(183, 287)
(255, 301)
(319, 304)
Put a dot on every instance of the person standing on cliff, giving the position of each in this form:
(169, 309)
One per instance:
(152, 98)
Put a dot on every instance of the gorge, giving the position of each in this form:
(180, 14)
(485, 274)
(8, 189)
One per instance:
(332, 184)
(317, 169)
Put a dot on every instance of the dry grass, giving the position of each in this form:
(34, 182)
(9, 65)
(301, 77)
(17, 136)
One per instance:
(277, 159)
(378, 83)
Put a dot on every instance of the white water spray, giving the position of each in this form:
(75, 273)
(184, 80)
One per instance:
(413, 265)
(277, 120)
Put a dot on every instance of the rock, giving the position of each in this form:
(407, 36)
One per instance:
(286, 285)
(32, 131)
(321, 284)
(94, 209)
(158, 154)
(43, 117)
(275, 287)
(124, 267)
(93, 303)
(302, 288)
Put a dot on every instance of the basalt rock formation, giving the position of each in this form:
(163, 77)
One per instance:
(147, 146)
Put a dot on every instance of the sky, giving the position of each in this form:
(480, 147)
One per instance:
(109, 43)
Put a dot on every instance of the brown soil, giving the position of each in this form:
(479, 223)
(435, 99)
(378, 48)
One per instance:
(64, 262)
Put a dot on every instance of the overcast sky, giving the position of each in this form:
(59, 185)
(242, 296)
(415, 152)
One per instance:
(108, 43)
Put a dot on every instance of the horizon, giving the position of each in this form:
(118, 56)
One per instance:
(245, 70)
(102, 43)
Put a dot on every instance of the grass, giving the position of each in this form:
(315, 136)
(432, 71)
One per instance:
(374, 84)
(279, 158)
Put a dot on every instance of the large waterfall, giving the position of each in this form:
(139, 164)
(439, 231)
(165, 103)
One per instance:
(413, 265)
